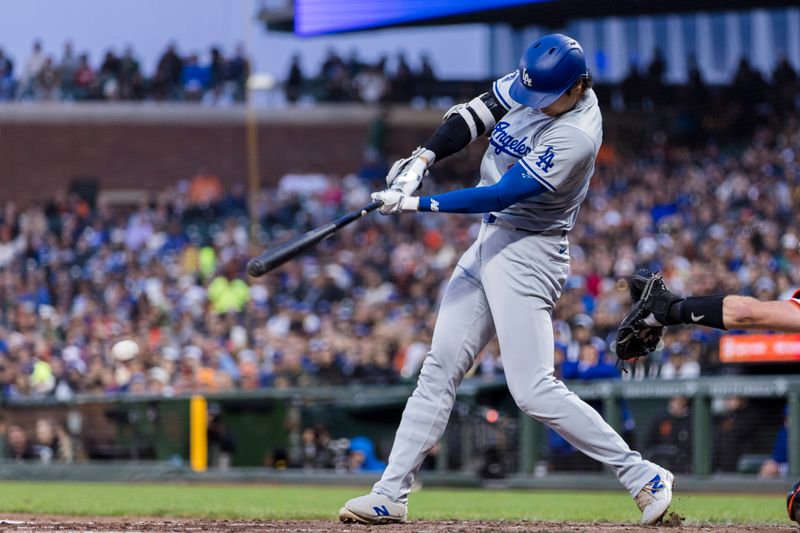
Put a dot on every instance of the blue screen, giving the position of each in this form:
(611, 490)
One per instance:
(314, 17)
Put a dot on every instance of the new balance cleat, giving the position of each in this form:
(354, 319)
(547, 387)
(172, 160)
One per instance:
(654, 499)
(373, 509)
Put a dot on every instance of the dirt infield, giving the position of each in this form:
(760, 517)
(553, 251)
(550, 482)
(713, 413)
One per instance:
(22, 523)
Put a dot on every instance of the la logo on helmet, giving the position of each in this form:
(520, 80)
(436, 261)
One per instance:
(526, 79)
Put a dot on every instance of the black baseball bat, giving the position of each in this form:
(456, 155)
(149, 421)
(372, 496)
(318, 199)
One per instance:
(274, 258)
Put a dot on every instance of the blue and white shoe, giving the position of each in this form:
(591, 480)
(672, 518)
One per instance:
(373, 509)
(654, 499)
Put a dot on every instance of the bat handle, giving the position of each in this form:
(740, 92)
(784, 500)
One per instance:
(372, 206)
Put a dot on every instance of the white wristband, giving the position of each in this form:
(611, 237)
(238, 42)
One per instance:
(409, 203)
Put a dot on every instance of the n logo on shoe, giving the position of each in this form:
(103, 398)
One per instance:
(381, 511)
(657, 484)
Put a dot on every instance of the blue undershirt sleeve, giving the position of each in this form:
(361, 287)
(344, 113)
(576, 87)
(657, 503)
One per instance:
(515, 185)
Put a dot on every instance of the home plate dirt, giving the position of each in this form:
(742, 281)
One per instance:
(63, 524)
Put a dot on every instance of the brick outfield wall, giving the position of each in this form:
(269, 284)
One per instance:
(39, 158)
(43, 147)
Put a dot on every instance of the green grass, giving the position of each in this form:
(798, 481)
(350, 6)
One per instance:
(303, 502)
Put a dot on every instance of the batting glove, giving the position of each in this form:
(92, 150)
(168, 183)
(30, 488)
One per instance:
(395, 202)
(406, 174)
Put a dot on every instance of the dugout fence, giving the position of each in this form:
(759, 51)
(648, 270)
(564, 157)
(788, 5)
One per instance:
(699, 427)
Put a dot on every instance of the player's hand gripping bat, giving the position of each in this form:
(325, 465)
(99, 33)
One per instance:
(275, 257)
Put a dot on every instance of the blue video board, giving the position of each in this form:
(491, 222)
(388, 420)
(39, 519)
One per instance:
(315, 17)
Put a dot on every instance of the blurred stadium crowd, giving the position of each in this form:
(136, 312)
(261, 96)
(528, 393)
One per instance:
(49, 442)
(170, 274)
(645, 87)
(353, 80)
(73, 76)
(221, 80)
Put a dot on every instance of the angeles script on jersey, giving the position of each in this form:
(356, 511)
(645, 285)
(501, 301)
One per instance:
(557, 152)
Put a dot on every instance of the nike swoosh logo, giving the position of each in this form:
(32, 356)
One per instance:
(697, 318)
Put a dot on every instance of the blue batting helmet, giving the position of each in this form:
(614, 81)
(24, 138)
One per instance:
(547, 69)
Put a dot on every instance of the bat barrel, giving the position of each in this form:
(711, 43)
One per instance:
(272, 259)
(275, 258)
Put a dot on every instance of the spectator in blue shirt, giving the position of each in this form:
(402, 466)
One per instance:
(778, 463)
(363, 457)
(195, 78)
(590, 365)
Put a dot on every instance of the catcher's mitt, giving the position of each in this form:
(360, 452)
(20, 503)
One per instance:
(635, 338)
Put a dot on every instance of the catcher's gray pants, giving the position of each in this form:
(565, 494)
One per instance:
(507, 282)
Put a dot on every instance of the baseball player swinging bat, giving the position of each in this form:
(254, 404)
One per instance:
(545, 129)
(272, 259)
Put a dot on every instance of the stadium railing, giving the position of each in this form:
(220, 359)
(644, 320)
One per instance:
(732, 425)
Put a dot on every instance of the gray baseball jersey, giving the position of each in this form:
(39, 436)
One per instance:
(558, 152)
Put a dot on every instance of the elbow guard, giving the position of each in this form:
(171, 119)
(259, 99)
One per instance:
(480, 114)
